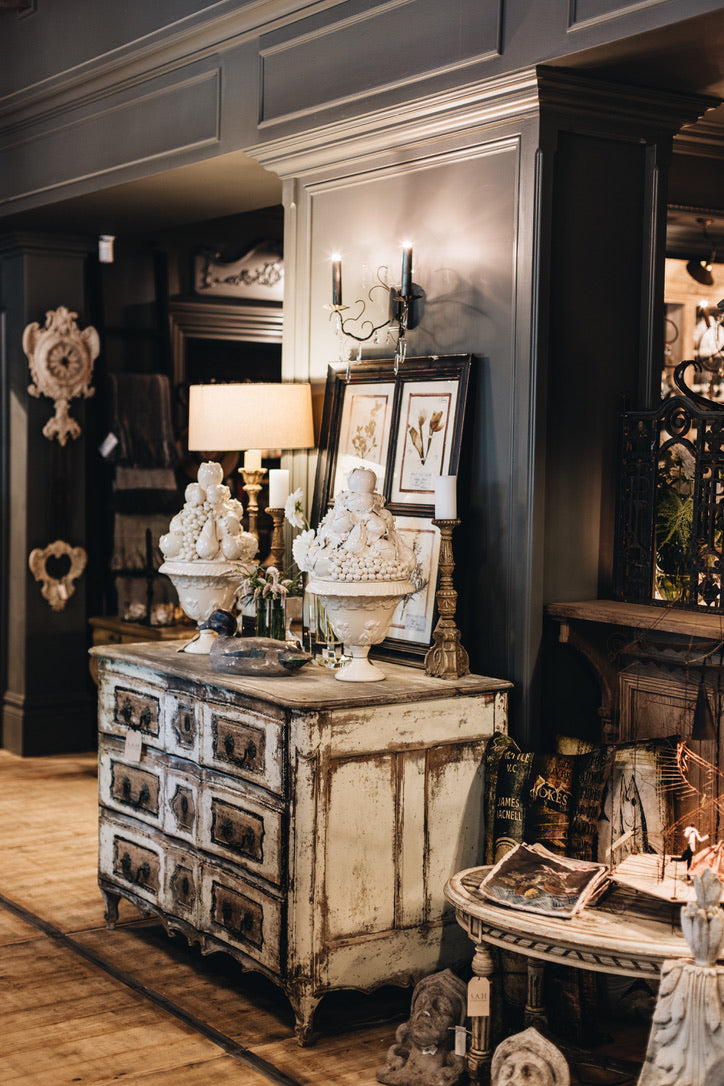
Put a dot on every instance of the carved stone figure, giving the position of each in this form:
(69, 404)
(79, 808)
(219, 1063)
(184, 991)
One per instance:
(61, 361)
(423, 1054)
(528, 1059)
(686, 1043)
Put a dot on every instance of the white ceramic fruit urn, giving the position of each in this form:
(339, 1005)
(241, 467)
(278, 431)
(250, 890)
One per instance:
(360, 569)
(206, 551)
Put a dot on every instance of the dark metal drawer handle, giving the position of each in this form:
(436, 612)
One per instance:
(126, 711)
(249, 751)
(143, 796)
(246, 922)
(142, 874)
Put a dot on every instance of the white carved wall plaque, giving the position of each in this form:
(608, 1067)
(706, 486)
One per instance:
(57, 566)
(61, 361)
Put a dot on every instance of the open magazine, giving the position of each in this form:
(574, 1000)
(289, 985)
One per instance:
(530, 877)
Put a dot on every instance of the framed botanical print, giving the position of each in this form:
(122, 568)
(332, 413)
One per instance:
(407, 427)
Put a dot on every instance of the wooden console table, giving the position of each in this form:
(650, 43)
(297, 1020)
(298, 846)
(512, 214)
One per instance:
(303, 825)
(647, 660)
(595, 939)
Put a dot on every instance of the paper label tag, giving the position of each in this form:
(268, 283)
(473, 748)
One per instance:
(479, 997)
(461, 1040)
(108, 445)
(134, 742)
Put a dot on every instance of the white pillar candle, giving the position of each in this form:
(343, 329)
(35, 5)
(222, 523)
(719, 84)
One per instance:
(446, 497)
(252, 460)
(278, 487)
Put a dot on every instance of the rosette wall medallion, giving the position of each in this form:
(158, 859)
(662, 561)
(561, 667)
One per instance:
(61, 361)
(57, 566)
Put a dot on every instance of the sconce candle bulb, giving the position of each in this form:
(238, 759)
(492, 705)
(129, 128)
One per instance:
(406, 278)
(336, 281)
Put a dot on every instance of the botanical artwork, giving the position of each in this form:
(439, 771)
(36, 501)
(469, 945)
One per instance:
(423, 440)
(364, 432)
(412, 619)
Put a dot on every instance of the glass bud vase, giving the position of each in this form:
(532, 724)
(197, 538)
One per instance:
(271, 619)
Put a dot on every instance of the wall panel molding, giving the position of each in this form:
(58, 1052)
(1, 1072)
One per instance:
(439, 116)
(370, 50)
(170, 117)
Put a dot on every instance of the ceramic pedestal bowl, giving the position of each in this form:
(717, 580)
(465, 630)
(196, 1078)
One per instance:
(360, 614)
(204, 587)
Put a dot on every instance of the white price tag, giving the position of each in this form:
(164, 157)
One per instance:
(479, 997)
(461, 1040)
(108, 445)
(134, 742)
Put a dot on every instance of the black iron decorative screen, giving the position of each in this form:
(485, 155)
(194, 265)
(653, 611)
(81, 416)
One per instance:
(670, 523)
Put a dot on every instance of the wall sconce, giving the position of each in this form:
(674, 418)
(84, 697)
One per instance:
(699, 269)
(403, 309)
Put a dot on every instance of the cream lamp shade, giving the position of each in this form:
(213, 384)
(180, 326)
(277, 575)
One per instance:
(250, 416)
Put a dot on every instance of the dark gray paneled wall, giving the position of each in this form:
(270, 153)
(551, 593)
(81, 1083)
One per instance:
(95, 93)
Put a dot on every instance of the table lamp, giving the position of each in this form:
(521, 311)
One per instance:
(253, 418)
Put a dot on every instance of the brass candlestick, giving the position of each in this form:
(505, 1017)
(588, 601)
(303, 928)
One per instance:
(276, 550)
(446, 658)
(252, 485)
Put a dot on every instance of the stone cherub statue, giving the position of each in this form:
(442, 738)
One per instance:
(423, 1054)
(528, 1059)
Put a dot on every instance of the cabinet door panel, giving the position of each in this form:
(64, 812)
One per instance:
(361, 835)
(453, 817)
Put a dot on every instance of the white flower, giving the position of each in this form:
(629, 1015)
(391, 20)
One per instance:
(300, 548)
(293, 509)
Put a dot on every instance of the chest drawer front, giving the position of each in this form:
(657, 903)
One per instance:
(246, 745)
(241, 915)
(183, 726)
(133, 789)
(182, 887)
(181, 809)
(127, 705)
(237, 828)
(129, 858)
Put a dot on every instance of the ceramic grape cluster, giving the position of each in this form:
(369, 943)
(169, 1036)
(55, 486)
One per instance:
(208, 528)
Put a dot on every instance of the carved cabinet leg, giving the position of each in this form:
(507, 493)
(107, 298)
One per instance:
(111, 901)
(304, 1004)
(480, 1051)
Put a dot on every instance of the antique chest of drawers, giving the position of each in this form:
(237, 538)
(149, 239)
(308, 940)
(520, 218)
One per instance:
(305, 826)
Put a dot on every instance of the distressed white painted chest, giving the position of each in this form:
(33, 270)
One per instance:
(305, 826)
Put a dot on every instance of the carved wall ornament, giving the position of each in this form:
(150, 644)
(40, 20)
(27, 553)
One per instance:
(57, 566)
(61, 361)
(257, 274)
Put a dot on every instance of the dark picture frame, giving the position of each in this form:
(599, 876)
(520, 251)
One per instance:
(408, 428)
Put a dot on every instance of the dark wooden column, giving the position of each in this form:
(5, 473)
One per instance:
(605, 153)
(48, 700)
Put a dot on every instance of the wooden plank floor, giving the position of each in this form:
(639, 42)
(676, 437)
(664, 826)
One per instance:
(79, 1004)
